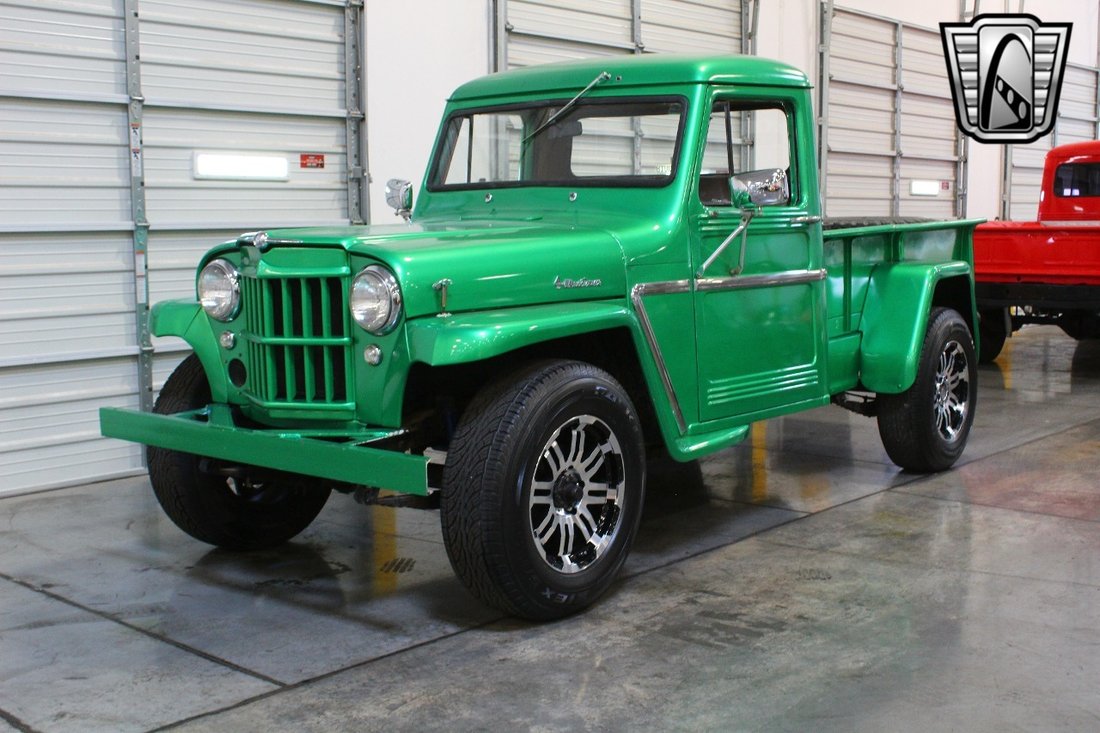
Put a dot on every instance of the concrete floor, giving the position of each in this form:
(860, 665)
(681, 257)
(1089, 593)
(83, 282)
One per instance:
(796, 582)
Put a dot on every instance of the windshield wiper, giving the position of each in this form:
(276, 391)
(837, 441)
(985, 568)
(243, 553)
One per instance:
(601, 77)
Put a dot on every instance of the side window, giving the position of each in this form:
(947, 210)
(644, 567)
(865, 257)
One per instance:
(728, 153)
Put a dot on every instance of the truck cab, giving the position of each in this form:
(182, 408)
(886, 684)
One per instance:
(605, 258)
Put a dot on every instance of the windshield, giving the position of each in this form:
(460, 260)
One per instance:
(627, 142)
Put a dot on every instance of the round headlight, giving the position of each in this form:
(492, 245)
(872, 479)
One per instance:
(375, 299)
(219, 292)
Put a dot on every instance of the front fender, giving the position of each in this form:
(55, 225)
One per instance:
(185, 319)
(467, 337)
(895, 318)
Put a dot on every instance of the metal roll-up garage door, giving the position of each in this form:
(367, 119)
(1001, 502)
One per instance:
(106, 106)
(531, 32)
(67, 319)
(1077, 121)
(889, 143)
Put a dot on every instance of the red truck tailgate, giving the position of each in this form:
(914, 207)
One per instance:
(1011, 251)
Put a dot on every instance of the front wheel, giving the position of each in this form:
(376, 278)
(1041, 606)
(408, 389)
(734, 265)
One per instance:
(239, 509)
(926, 427)
(543, 489)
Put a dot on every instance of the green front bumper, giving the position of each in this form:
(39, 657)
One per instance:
(211, 432)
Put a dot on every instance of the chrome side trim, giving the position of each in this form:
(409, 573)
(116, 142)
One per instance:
(1070, 223)
(806, 220)
(660, 288)
(790, 277)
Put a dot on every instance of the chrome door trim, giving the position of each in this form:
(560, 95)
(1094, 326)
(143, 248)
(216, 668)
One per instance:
(660, 288)
(790, 277)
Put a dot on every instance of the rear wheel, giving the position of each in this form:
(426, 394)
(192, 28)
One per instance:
(926, 427)
(543, 489)
(238, 509)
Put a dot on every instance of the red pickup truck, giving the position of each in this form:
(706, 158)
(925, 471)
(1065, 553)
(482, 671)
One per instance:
(1045, 271)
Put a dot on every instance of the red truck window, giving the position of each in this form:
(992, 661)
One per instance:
(1077, 179)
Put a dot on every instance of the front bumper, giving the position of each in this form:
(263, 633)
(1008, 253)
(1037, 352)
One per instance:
(212, 432)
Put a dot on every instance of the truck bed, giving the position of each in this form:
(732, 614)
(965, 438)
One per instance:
(1018, 252)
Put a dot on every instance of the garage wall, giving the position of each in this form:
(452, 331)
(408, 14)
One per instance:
(889, 144)
(542, 31)
(103, 104)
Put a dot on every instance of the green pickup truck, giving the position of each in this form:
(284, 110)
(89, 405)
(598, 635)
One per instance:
(606, 257)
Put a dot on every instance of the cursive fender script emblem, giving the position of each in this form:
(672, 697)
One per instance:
(581, 282)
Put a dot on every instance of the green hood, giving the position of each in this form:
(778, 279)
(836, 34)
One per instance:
(489, 266)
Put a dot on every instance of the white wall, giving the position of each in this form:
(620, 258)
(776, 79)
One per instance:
(417, 52)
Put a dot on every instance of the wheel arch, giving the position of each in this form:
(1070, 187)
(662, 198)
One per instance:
(184, 319)
(899, 300)
(611, 343)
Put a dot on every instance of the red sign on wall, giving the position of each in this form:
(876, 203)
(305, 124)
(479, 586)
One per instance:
(312, 160)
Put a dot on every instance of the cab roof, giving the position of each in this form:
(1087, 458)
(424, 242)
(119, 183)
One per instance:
(634, 71)
(1086, 149)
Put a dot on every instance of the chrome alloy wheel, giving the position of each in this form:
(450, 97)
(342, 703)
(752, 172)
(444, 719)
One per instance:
(952, 391)
(576, 498)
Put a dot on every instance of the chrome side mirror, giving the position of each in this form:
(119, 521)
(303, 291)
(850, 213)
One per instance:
(767, 187)
(399, 195)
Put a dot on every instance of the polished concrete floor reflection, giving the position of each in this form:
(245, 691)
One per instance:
(796, 582)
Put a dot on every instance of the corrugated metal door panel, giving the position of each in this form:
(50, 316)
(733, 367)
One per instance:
(859, 185)
(65, 166)
(174, 257)
(524, 51)
(259, 54)
(69, 463)
(1078, 98)
(1027, 178)
(546, 32)
(71, 50)
(66, 302)
(930, 208)
(900, 117)
(541, 31)
(1075, 131)
(177, 199)
(49, 422)
(679, 26)
(66, 244)
(270, 74)
(247, 205)
(939, 206)
(862, 49)
(922, 66)
(599, 22)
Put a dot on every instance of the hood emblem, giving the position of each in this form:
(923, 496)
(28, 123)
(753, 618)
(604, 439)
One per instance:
(566, 283)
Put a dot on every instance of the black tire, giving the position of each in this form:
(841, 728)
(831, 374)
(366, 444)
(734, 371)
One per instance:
(926, 427)
(991, 335)
(243, 513)
(527, 526)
